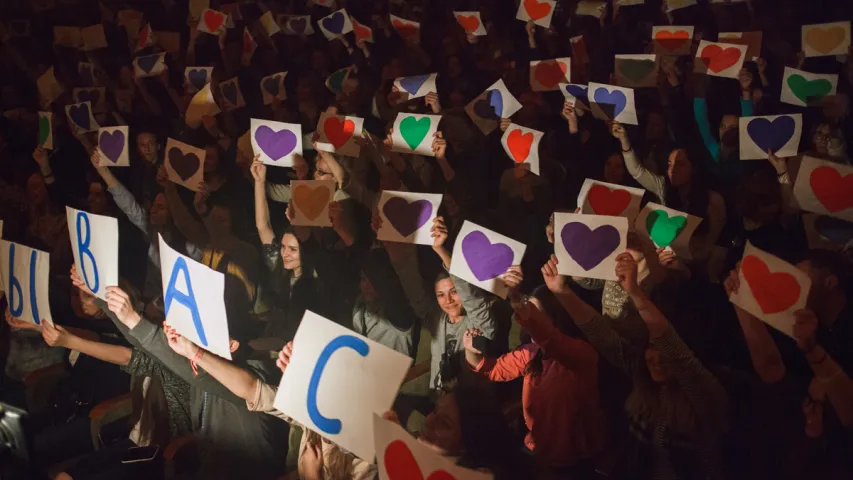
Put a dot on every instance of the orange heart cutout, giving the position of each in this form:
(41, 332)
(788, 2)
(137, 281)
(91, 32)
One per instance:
(311, 201)
(519, 145)
(536, 10)
(774, 292)
(825, 40)
(831, 189)
(338, 132)
(469, 22)
(672, 40)
(361, 32)
(550, 73)
(213, 20)
(405, 30)
(718, 59)
(606, 202)
(400, 464)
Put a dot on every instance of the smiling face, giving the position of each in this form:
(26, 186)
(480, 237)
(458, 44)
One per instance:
(821, 137)
(448, 300)
(290, 252)
(442, 429)
(146, 146)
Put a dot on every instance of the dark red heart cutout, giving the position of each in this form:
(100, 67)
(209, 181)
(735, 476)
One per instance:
(832, 190)
(774, 292)
(718, 59)
(213, 20)
(400, 464)
(606, 202)
(550, 73)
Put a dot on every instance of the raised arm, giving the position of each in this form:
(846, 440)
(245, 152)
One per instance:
(262, 209)
(505, 368)
(58, 336)
(574, 354)
(191, 228)
(652, 182)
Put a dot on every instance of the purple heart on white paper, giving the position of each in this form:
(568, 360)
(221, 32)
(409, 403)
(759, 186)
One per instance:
(275, 145)
(486, 260)
(407, 217)
(112, 144)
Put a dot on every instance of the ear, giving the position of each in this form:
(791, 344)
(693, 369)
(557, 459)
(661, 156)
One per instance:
(233, 345)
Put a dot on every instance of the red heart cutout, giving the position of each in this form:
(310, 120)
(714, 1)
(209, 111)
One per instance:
(143, 37)
(519, 145)
(469, 22)
(718, 59)
(338, 132)
(405, 30)
(832, 190)
(774, 292)
(247, 42)
(550, 73)
(536, 10)
(361, 32)
(400, 464)
(672, 40)
(213, 20)
(606, 202)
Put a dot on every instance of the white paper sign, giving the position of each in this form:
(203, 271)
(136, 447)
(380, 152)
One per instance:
(771, 289)
(276, 142)
(547, 75)
(80, 117)
(825, 188)
(609, 102)
(149, 65)
(195, 78)
(481, 256)
(337, 380)
(194, 301)
(667, 227)
(574, 91)
(602, 198)
(94, 242)
(112, 145)
(335, 24)
(212, 22)
(299, 25)
(184, 164)
(826, 39)
(202, 104)
(471, 23)
(672, 40)
(417, 86)
(778, 133)
(720, 59)
(26, 274)
(399, 455)
(590, 8)
(311, 200)
(94, 95)
(636, 70)
(414, 133)
(405, 28)
(407, 217)
(272, 87)
(269, 24)
(521, 144)
(338, 134)
(587, 245)
(803, 88)
(540, 11)
(673, 5)
(46, 130)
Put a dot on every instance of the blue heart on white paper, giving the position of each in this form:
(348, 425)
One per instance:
(413, 84)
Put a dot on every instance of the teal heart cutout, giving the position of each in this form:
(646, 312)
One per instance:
(809, 91)
(662, 229)
(414, 130)
(44, 129)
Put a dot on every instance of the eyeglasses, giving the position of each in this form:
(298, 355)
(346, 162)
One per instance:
(321, 172)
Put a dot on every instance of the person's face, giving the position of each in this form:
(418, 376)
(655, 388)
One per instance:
(146, 146)
(655, 126)
(658, 369)
(36, 190)
(97, 198)
(290, 252)
(88, 303)
(823, 283)
(729, 130)
(614, 169)
(679, 169)
(159, 213)
(211, 159)
(321, 171)
(820, 139)
(448, 300)
(366, 288)
(454, 66)
(442, 430)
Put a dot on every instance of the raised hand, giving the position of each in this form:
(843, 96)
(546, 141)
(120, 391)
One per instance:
(119, 303)
(162, 176)
(259, 170)
(553, 280)
(744, 77)
(431, 100)
(178, 343)
(626, 271)
(284, 357)
(15, 323)
(54, 336)
(468, 340)
(438, 232)
(78, 281)
(439, 145)
(513, 277)
(805, 328)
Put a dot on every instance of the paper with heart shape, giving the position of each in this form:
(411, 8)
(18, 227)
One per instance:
(272, 87)
(752, 41)
(826, 39)
(417, 86)
(267, 21)
(112, 142)
(779, 133)
(94, 95)
(184, 164)
(33, 276)
(834, 229)
(80, 116)
(362, 32)
(407, 217)
(673, 5)
(196, 78)
(804, 88)
(276, 142)
(667, 227)
(590, 8)
(299, 25)
(400, 456)
(636, 70)
(719, 59)
(311, 202)
(335, 81)
(547, 75)
(337, 23)
(825, 188)
(471, 23)
(672, 40)
(49, 89)
(201, 104)
(46, 130)
(405, 28)
(574, 91)
(67, 37)
(98, 236)
(521, 144)
(212, 22)
(149, 65)
(587, 245)
(249, 45)
(492, 105)
(478, 255)
(771, 289)
(609, 102)
(601, 198)
(231, 93)
(338, 134)
(414, 133)
(540, 11)
(144, 37)
(336, 380)
(93, 38)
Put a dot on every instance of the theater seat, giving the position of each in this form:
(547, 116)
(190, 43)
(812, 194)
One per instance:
(39, 383)
(181, 456)
(107, 412)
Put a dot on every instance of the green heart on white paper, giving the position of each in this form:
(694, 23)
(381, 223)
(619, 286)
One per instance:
(414, 130)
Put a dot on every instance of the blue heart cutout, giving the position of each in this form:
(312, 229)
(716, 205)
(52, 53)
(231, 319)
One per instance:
(615, 98)
(496, 101)
(413, 84)
(834, 229)
(771, 135)
(577, 91)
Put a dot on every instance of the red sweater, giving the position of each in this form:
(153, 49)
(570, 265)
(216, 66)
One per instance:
(560, 405)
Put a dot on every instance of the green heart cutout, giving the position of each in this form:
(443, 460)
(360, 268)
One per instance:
(336, 80)
(44, 129)
(414, 130)
(808, 91)
(636, 70)
(662, 229)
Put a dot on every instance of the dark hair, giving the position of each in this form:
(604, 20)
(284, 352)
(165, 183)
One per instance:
(833, 263)
(551, 306)
(150, 409)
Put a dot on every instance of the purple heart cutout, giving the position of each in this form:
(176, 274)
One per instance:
(589, 247)
(771, 135)
(112, 144)
(198, 78)
(486, 260)
(275, 144)
(407, 217)
(80, 115)
(271, 85)
(184, 164)
(615, 98)
(89, 96)
(334, 22)
(298, 25)
(413, 84)
(147, 62)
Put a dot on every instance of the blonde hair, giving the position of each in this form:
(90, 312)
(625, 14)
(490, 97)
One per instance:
(336, 466)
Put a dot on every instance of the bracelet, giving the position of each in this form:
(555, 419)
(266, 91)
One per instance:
(193, 363)
(626, 151)
(782, 174)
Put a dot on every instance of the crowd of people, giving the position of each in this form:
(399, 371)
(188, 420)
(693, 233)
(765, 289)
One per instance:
(656, 375)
